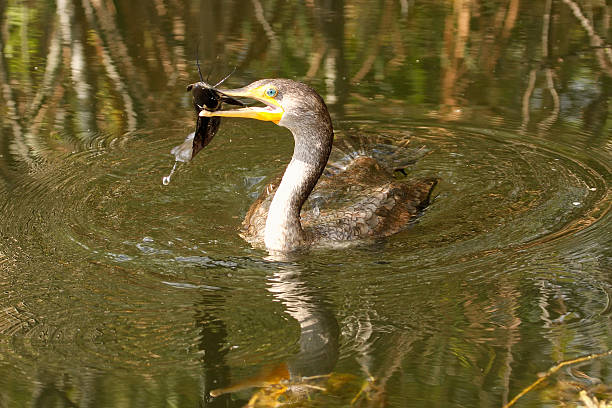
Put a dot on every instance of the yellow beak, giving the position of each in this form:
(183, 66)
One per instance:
(272, 112)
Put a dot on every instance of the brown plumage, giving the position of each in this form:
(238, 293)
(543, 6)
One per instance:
(380, 206)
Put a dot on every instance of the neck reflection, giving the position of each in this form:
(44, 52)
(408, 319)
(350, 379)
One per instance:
(318, 325)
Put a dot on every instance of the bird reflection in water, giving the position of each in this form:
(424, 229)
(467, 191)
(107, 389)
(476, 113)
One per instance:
(319, 333)
(302, 377)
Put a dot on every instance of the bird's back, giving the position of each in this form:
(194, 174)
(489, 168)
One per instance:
(362, 201)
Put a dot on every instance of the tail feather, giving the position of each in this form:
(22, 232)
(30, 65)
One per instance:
(394, 153)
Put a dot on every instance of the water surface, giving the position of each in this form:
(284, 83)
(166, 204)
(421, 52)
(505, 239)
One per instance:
(117, 290)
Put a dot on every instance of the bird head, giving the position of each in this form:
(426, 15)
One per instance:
(285, 102)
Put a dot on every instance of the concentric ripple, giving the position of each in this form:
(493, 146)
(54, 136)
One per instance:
(122, 271)
(498, 190)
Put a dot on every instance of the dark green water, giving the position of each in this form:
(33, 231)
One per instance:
(117, 291)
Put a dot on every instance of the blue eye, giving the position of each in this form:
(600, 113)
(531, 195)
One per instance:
(271, 92)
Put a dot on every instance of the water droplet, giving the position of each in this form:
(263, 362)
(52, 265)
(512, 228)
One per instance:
(166, 179)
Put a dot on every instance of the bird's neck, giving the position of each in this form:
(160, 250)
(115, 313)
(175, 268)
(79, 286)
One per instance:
(283, 231)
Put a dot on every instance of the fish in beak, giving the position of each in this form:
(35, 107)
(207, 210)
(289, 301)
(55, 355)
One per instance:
(206, 98)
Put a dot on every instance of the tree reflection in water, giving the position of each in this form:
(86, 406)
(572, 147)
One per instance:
(84, 77)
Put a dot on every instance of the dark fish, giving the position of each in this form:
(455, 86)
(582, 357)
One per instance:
(204, 96)
(207, 97)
